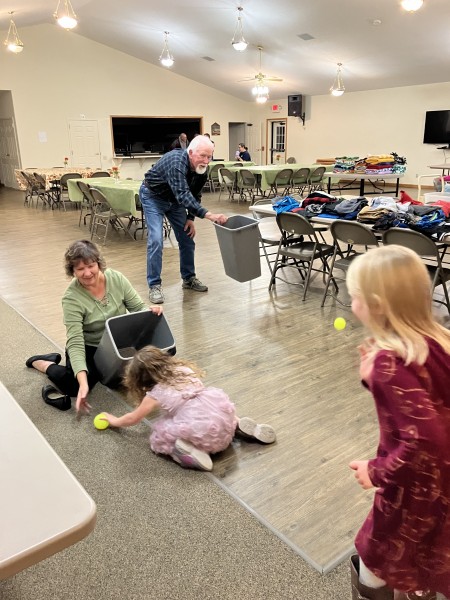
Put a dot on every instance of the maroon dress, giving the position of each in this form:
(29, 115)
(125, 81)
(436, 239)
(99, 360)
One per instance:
(405, 539)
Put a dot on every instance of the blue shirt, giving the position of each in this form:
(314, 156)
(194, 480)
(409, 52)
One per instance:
(173, 180)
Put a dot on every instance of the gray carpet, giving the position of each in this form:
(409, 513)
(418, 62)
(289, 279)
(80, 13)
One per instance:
(162, 532)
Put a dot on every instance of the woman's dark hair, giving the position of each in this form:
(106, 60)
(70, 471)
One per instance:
(83, 250)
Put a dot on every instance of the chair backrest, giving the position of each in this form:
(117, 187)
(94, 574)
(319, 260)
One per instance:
(238, 164)
(85, 190)
(291, 160)
(295, 224)
(317, 175)
(227, 175)
(29, 179)
(214, 172)
(301, 175)
(353, 233)
(101, 174)
(99, 199)
(247, 177)
(420, 243)
(40, 180)
(283, 176)
(66, 176)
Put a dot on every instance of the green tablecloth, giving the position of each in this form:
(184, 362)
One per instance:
(228, 163)
(268, 172)
(120, 194)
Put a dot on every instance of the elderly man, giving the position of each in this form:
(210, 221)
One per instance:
(172, 188)
(181, 142)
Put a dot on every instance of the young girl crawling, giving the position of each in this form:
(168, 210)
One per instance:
(197, 420)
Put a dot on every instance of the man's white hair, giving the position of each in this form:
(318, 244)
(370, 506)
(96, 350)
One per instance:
(201, 140)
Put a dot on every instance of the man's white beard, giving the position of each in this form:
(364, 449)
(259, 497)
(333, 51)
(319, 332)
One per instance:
(201, 169)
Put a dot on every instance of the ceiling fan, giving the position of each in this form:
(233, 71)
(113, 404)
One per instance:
(260, 90)
(260, 78)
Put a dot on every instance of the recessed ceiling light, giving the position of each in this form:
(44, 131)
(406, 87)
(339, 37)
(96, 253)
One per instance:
(208, 58)
(306, 37)
(376, 22)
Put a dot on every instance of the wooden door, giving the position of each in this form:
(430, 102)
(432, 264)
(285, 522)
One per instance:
(9, 153)
(84, 144)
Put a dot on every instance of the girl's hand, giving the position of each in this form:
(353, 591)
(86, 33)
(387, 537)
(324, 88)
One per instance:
(82, 404)
(158, 310)
(361, 468)
(112, 420)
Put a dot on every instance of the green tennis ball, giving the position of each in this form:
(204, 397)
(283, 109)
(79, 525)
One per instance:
(340, 323)
(99, 423)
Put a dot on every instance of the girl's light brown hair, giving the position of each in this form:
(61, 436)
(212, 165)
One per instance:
(394, 284)
(150, 366)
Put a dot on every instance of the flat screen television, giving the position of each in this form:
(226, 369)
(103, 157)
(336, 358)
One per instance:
(437, 127)
(150, 135)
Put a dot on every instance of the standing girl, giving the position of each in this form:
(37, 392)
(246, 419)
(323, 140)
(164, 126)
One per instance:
(197, 421)
(404, 543)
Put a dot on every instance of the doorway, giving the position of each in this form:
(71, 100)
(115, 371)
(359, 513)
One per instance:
(9, 153)
(277, 146)
(84, 144)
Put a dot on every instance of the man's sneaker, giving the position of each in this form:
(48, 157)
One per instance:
(194, 284)
(190, 457)
(155, 293)
(249, 429)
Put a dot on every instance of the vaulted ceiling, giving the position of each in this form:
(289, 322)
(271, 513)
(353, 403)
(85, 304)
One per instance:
(379, 44)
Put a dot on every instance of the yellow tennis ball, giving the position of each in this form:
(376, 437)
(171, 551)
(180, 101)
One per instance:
(99, 423)
(340, 323)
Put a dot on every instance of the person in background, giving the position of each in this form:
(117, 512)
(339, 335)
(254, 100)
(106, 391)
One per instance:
(243, 153)
(172, 188)
(212, 142)
(181, 142)
(404, 543)
(197, 421)
(94, 295)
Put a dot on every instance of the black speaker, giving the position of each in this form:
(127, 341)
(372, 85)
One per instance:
(295, 106)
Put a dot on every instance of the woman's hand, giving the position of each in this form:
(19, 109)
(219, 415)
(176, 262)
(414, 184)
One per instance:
(82, 404)
(361, 468)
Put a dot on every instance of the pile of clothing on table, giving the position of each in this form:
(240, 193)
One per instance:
(382, 212)
(373, 164)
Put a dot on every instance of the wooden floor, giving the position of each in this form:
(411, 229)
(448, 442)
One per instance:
(279, 358)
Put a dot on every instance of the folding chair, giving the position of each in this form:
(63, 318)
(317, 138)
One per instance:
(282, 180)
(87, 203)
(31, 189)
(300, 179)
(63, 192)
(299, 254)
(352, 234)
(100, 174)
(247, 184)
(228, 183)
(105, 215)
(315, 181)
(428, 250)
(213, 177)
(42, 193)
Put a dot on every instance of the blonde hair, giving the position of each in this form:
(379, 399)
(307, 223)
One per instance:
(150, 366)
(394, 284)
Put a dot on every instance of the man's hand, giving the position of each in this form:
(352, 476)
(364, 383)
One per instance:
(216, 218)
(190, 228)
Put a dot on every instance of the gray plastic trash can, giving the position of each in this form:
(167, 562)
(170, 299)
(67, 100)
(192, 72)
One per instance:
(124, 335)
(239, 246)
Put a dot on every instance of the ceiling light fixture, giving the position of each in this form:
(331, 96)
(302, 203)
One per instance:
(261, 92)
(411, 5)
(337, 89)
(12, 42)
(238, 42)
(166, 58)
(65, 17)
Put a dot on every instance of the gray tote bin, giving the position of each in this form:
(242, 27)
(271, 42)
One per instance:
(124, 335)
(239, 245)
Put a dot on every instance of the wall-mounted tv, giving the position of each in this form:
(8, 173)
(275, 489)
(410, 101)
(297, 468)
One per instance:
(437, 127)
(150, 135)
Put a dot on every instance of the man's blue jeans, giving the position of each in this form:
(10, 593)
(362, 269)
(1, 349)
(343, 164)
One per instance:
(154, 211)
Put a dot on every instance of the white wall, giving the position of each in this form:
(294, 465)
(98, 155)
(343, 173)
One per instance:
(61, 75)
(362, 123)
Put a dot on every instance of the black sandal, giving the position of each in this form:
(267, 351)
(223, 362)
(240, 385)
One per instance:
(55, 357)
(53, 397)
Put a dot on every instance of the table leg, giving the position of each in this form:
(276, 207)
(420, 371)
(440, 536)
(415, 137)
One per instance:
(361, 187)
